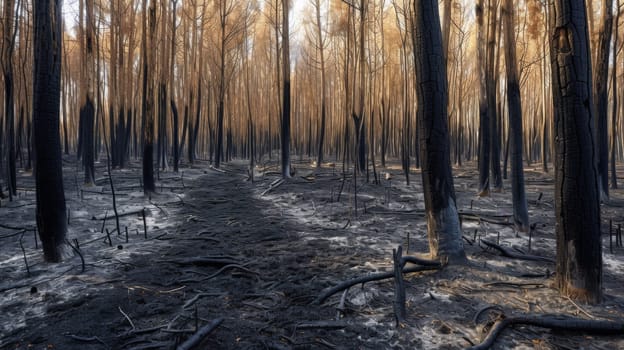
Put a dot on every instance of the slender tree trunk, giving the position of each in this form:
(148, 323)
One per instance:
(445, 238)
(491, 83)
(87, 110)
(285, 132)
(484, 123)
(521, 213)
(577, 200)
(149, 185)
(614, 106)
(9, 33)
(601, 97)
(321, 43)
(51, 211)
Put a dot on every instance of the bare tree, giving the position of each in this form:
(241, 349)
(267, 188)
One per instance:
(148, 96)
(51, 212)
(8, 45)
(285, 130)
(601, 96)
(521, 214)
(445, 239)
(577, 202)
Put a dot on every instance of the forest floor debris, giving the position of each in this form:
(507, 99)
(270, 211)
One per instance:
(239, 264)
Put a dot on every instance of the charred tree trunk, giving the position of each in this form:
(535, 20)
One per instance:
(601, 97)
(445, 239)
(8, 45)
(484, 122)
(285, 130)
(614, 106)
(176, 141)
(87, 110)
(149, 185)
(577, 201)
(521, 213)
(51, 212)
(491, 84)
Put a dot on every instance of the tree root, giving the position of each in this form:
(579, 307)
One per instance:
(513, 255)
(369, 278)
(555, 322)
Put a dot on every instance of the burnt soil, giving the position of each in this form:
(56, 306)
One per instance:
(257, 254)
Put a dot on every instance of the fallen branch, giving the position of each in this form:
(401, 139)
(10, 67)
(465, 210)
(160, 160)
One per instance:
(272, 186)
(513, 255)
(205, 261)
(492, 220)
(200, 335)
(127, 318)
(322, 324)
(85, 339)
(555, 322)
(194, 299)
(369, 278)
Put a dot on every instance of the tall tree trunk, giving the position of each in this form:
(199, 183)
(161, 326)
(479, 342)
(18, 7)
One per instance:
(577, 201)
(51, 211)
(285, 130)
(614, 106)
(491, 83)
(148, 97)
(8, 44)
(87, 109)
(321, 43)
(601, 97)
(445, 239)
(484, 123)
(521, 213)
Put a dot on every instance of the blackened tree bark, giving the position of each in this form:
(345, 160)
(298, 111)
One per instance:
(148, 97)
(614, 105)
(484, 122)
(601, 96)
(8, 44)
(87, 109)
(445, 239)
(521, 213)
(321, 47)
(496, 183)
(285, 132)
(577, 205)
(51, 212)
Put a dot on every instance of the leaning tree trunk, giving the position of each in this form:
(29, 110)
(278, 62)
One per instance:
(601, 97)
(577, 205)
(51, 212)
(445, 239)
(521, 213)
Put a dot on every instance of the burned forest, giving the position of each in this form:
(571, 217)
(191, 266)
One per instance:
(311, 174)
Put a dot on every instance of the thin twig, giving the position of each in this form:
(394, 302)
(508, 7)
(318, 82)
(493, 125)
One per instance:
(127, 318)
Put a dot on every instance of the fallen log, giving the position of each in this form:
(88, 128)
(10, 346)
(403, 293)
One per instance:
(513, 255)
(555, 322)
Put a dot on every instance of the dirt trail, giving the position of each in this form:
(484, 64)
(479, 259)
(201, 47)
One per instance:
(221, 246)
